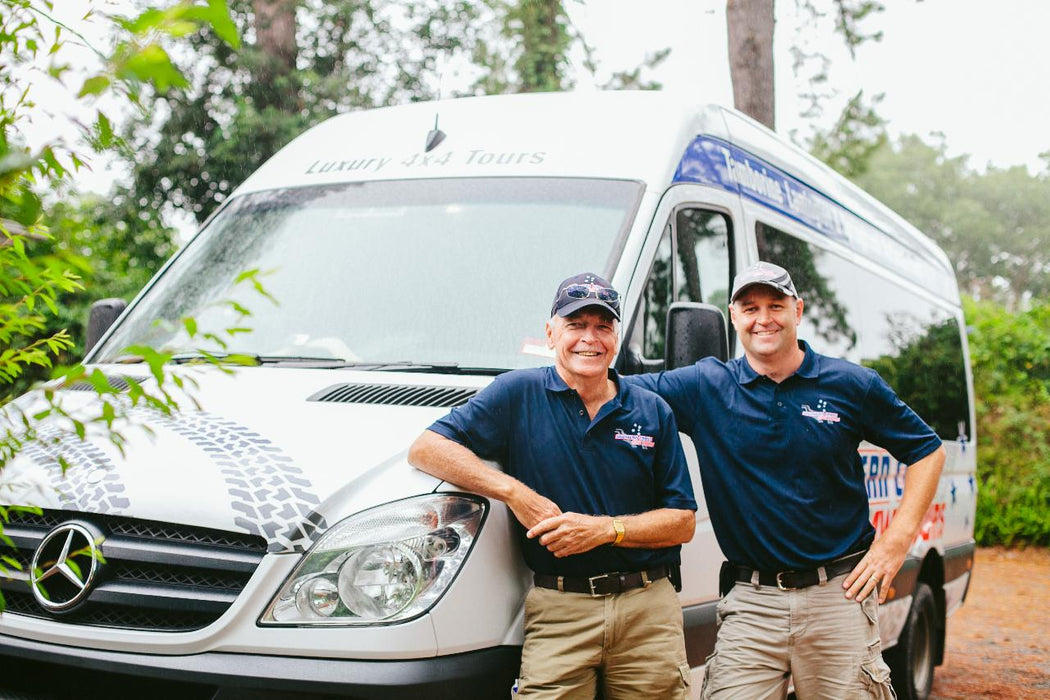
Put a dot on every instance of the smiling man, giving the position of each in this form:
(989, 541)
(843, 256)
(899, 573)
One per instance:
(777, 433)
(594, 472)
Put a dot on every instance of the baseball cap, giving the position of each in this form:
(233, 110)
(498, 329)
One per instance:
(764, 273)
(583, 290)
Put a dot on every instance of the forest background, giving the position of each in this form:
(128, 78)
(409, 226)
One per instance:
(193, 96)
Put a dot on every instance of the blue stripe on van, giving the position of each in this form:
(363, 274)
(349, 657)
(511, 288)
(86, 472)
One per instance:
(711, 161)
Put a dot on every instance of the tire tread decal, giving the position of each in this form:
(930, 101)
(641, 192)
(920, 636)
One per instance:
(270, 496)
(79, 486)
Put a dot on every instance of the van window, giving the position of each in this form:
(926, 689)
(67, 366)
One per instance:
(426, 271)
(692, 264)
(650, 327)
(854, 313)
(702, 260)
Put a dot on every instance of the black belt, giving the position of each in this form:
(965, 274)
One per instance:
(790, 580)
(602, 584)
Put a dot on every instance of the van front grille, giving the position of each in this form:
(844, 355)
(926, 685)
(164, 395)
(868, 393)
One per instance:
(160, 577)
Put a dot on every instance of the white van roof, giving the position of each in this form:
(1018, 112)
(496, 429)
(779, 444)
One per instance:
(622, 135)
(653, 137)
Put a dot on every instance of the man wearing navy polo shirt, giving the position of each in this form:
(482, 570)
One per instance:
(777, 433)
(594, 472)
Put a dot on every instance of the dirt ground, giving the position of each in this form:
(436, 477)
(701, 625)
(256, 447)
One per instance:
(998, 642)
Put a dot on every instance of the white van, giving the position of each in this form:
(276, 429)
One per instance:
(277, 542)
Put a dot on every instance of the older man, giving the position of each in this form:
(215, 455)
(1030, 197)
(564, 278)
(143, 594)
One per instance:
(777, 433)
(594, 472)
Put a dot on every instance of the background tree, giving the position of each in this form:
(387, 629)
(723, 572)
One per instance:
(750, 28)
(995, 226)
(307, 60)
(750, 25)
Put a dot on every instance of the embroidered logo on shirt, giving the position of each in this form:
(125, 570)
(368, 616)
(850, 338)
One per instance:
(635, 437)
(820, 415)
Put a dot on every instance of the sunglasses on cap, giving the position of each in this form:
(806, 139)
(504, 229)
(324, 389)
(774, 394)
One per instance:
(582, 291)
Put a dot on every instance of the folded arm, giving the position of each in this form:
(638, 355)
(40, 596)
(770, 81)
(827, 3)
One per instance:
(573, 533)
(448, 460)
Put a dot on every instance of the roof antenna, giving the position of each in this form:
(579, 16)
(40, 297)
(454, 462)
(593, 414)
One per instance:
(435, 136)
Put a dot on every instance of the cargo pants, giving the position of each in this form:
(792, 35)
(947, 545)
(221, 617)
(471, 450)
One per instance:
(829, 645)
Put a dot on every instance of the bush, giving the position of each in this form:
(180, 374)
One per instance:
(1010, 355)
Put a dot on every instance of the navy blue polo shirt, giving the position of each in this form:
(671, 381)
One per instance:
(783, 480)
(627, 460)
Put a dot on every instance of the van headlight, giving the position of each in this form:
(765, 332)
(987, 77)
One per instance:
(383, 565)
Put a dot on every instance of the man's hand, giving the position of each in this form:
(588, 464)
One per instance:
(572, 533)
(877, 568)
(530, 507)
(884, 559)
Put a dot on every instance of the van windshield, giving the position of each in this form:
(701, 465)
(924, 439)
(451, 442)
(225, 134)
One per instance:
(456, 271)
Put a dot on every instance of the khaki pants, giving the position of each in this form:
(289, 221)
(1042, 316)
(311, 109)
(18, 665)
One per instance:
(828, 644)
(631, 643)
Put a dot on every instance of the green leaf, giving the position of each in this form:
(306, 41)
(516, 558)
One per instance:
(94, 86)
(152, 65)
(222, 23)
(104, 129)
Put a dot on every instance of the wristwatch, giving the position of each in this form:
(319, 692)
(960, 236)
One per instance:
(618, 526)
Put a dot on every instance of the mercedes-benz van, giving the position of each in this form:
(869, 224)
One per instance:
(276, 542)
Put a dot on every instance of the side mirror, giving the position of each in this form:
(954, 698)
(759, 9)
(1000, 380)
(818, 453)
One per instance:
(103, 313)
(695, 331)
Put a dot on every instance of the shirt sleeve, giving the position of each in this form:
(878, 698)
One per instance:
(674, 488)
(482, 424)
(894, 426)
(677, 387)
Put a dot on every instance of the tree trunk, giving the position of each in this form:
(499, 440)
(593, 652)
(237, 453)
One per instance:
(540, 26)
(275, 38)
(750, 24)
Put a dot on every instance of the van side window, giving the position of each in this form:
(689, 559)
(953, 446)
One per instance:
(912, 342)
(650, 325)
(692, 264)
(702, 260)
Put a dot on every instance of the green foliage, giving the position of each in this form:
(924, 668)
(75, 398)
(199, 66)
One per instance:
(811, 65)
(995, 226)
(541, 29)
(926, 370)
(38, 271)
(849, 14)
(29, 288)
(111, 246)
(306, 61)
(850, 144)
(1010, 355)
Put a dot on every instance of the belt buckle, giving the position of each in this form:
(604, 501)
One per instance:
(780, 581)
(591, 580)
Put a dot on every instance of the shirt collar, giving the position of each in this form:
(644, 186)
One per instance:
(553, 382)
(809, 369)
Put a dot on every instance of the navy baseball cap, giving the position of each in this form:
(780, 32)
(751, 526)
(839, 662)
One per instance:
(583, 290)
(764, 273)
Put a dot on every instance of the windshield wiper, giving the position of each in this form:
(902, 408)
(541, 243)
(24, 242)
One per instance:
(437, 368)
(235, 358)
(187, 358)
(252, 359)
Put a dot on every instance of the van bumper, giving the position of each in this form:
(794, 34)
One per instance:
(483, 673)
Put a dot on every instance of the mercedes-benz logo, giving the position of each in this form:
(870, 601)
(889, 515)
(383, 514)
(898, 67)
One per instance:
(65, 566)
